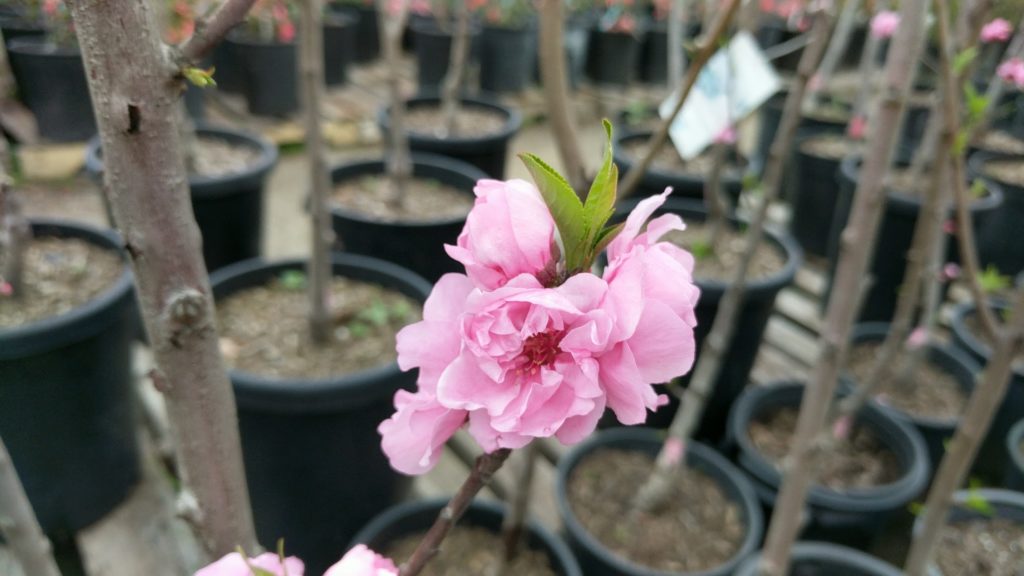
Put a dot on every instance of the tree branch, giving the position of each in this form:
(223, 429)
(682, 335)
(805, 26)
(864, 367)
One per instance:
(210, 31)
(555, 83)
(456, 67)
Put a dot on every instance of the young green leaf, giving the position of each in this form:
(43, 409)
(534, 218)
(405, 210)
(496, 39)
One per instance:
(566, 209)
(964, 59)
(702, 250)
(606, 236)
(992, 281)
(600, 203)
(293, 280)
(199, 77)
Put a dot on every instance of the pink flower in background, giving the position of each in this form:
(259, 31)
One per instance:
(234, 564)
(949, 226)
(421, 7)
(50, 7)
(951, 271)
(998, 30)
(508, 232)
(884, 24)
(361, 561)
(918, 338)
(1012, 71)
(726, 136)
(857, 127)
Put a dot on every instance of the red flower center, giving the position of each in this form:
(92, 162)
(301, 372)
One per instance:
(539, 350)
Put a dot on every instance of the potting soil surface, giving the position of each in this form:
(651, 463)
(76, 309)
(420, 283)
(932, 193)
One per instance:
(698, 527)
(669, 160)
(1009, 171)
(928, 392)
(989, 546)
(218, 157)
(472, 551)
(831, 146)
(723, 258)
(59, 275)
(421, 201)
(860, 461)
(470, 122)
(905, 182)
(1001, 141)
(265, 330)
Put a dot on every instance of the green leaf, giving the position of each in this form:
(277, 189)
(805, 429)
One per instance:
(702, 250)
(992, 281)
(915, 508)
(978, 189)
(977, 502)
(199, 77)
(600, 203)
(358, 329)
(960, 142)
(751, 182)
(376, 314)
(964, 59)
(606, 236)
(293, 280)
(566, 210)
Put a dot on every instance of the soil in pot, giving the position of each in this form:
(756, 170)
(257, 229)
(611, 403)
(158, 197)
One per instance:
(990, 546)
(831, 146)
(265, 330)
(699, 528)
(471, 550)
(930, 392)
(215, 157)
(718, 263)
(1001, 142)
(471, 122)
(860, 461)
(60, 274)
(425, 200)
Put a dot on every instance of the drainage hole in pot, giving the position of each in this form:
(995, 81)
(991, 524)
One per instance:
(265, 330)
(699, 527)
(926, 391)
(717, 262)
(422, 200)
(471, 550)
(991, 546)
(860, 461)
(470, 122)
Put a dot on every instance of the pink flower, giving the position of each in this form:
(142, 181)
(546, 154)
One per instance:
(508, 232)
(234, 564)
(523, 360)
(918, 338)
(998, 30)
(361, 561)
(857, 127)
(726, 136)
(949, 226)
(951, 271)
(884, 24)
(1012, 71)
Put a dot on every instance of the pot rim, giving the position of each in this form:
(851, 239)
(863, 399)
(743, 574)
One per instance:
(55, 331)
(1014, 439)
(622, 159)
(830, 552)
(40, 45)
(958, 321)
(747, 500)
(513, 121)
(293, 394)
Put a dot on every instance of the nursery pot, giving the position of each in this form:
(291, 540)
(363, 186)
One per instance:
(506, 58)
(815, 197)
(367, 35)
(418, 246)
(433, 47)
(852, 517)
(895, 237)
(817, 558)
(312, 453)
(655, 179)
(413, 517)
(771, 115)
(758, 306)
(227, 62)
(957, 363)
(14, 25)
(776, 31)
(339, 46)
(1006, 504)
(488, 152)
(991, 460)
(269, 74)
(227, 208)
(612, 57)
(1015, 454)
(654, 52)
(999, 241)
(66, 399)
(598, 560)
(51, 82)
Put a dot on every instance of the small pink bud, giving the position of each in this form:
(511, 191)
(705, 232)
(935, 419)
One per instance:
(997, 30)
(814, 84)
(918, 338)
(949, 226)
(5, 288)
(884, 24)
(726, 136)
(951, 271)
(842, 426)
(1012, 71)
(673, 451)
(858, 125)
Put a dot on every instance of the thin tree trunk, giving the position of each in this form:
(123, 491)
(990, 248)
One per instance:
(836, 50)
(135, 97)
(866, 71)
(555, 81)
(515, 519)
(857, 248)
(15, 234)
(311, 59)
(19, 526)
(456, 70)
(399, 161)
(714, 203)
(711, 43)
(653, 493)
(677, 19)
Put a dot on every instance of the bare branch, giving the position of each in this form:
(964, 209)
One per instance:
(211, 31)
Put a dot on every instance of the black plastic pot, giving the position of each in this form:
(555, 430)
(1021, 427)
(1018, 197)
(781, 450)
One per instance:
(774, 31)
(1015, 455)
(312, 453)
(506, 58)
(958, 364)
(771, 114)
(51, 82)
(598, 560)
(14, 25)
(758, 306)
(991, 460)
(339, 46)
(66, 399)
(413, 517)
(613, 57)
(488, 153)
(1005, 503)
(818, 558)
(999, 241)
(367, 35)
(269, 74)
(228, 209)
(433, 48)
(854, 517)
(230, 75)
(655, 180)
(895, 237)
(418, 246)
(815, 197)
(654, 53)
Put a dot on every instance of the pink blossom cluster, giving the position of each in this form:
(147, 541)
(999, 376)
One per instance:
(884, 24)
(1012, 71)
(359, 561)
(516, 355)
(998, 30)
